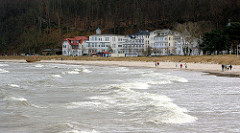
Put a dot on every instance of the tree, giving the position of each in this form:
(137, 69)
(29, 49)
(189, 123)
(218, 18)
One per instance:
(215, 42)
(234, 34)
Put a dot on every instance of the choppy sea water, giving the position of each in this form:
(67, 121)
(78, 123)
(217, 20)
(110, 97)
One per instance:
(61, 98)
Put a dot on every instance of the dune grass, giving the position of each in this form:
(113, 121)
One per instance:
(213, 59)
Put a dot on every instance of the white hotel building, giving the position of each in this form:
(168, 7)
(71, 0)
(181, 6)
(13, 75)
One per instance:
(106, 43)
(155, 43)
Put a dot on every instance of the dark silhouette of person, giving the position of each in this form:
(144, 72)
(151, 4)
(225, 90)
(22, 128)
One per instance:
(230, 67)
(223, 67)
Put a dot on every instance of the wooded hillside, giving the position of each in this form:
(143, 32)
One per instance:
(32, 25)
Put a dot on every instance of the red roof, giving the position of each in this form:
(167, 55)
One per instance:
(77, 38)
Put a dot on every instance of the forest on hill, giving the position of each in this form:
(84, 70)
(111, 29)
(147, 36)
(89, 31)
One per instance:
(29, 26)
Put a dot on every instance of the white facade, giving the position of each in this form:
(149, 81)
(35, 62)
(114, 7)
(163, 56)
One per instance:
(162, 42)
(74, 46)
(106, 43)
(156, 43)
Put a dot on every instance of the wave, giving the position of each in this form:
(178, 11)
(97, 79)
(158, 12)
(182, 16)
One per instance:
(3, 71)
(39, 65)
(86, 70)
(165, 77)
(125, 99)
(14, 85)
(122, 69)
(73, 72)
(134, 85)
(22, 101)
(57, 76)
(3, 65)
(77, 131)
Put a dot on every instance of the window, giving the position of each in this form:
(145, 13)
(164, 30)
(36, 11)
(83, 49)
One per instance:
(106, 38)
(169, 38)
(119, 45)
(95, 38)
(169, 44)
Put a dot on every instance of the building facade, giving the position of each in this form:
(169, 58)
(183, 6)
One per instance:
(144, 43)
(105, 43)
(74, 46)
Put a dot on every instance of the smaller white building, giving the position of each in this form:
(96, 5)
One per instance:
(74, 46)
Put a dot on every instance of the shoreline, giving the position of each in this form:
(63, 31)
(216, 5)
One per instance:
(212, 69)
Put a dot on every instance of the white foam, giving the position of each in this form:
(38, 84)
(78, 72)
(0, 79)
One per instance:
(86, 70)
(73, 72)
(57, 76)
(39, 65)
(21, 99)
(36, 106)
(76, 131)
(134, 85)
(14, 85)
(161, 107)
(3, 71)
(3, 65)
(122, 69)
(159, 82)
(75, 105)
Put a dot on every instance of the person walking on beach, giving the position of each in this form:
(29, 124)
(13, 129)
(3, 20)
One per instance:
(185, 65)
(180, 65)
(226, 68)
(222, 67)
(176, 64)
(230, 67)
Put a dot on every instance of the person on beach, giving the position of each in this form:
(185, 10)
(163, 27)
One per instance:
(176, 64)
(222, 67)
(230, 67)
(157, 63)
(185, 65)
(180, 65)
(226, 68)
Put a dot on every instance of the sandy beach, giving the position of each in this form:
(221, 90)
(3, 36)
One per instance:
(215, 69)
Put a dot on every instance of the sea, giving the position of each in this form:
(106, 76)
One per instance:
(68, 98)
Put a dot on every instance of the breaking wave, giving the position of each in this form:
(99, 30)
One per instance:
(21, 101)
(57, 76)
(39, 65)
(3, 71)
(86, 70)
(123, 99)
(14, 85)
(3, 65)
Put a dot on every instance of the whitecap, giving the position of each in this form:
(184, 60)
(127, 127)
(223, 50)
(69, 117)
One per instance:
(77, 131)
(161, 107)
(21, 99)
(73, 72)
(3, 71)
(3, 65)
(159, 82)
(14, 85)
(57, 76)
(36, 106)
(38, 65)
(122, 69)
(134, 85)
(86, 71)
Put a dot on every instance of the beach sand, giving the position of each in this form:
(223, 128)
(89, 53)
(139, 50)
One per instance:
(209, 68)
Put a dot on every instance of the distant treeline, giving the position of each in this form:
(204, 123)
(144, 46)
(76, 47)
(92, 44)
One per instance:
(32, 25)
